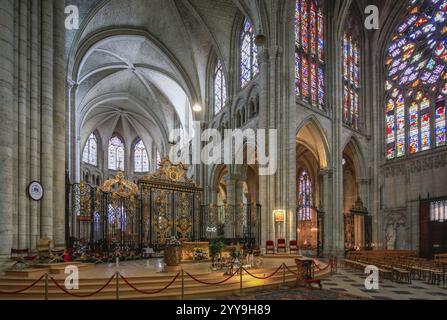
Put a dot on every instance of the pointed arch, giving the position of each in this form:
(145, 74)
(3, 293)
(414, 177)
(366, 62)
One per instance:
(249, 67)
(220, 87)
(311, 135)
(310, 52)
(116, 153)
(352, 147)
(352, 52)
(141, 157)
(91, 152)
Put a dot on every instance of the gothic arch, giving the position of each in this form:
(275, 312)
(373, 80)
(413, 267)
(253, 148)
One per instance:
(217, 174)
(353, 146)
(311, 135)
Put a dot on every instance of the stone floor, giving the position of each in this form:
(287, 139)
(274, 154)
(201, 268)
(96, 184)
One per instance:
(346, 282)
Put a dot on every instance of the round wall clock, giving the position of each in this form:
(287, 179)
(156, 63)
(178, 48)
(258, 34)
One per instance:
(35, 191)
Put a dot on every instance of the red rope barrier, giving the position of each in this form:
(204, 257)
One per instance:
(211, 284)
(24, 289)
(81, 295)
(146, 292)
(290, 270)
(324, 268)
(263, 278)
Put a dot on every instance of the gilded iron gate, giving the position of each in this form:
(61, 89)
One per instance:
(122, 215)
(171, 205)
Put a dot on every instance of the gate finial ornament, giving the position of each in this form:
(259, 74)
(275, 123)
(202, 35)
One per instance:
(120, 186)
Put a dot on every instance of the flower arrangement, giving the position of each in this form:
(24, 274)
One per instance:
(199, 254)
(173, 242)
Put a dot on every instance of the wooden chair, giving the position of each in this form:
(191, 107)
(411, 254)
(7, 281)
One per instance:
(43, 248)
(18, 255)
(281, 245)
(269, 246)
(57, 256)
(293, 246)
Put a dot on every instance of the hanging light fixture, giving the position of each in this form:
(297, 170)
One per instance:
(197, 108)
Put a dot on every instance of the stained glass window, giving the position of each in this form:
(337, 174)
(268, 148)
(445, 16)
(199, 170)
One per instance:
(309, 53)
(220, 88)
(116, 154)
(438, 211)
(304, 197)
(351, 79)
(158, 158)
(249, 53)
(90, 154)
(417, 80)
(141, 158)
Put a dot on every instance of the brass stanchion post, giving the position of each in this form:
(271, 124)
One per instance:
(117, 275)
(240, 276)
(183, 284)
(284, 274)
(283, 286)
(46, 286)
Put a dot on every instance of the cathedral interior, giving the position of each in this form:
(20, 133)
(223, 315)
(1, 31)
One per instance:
(99, 97)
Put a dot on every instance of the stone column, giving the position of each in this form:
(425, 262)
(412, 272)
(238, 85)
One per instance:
(231, 187)
(34, 156)
(326, 201)
(59, 124)
(23, 96)
(335, 101)
(267, 227)
(239, 190)
(71, 131)
(6, 127)
(47, 167)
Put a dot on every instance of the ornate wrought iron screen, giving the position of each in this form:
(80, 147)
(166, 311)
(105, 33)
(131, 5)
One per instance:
(235, 223)
(121, 214)
(171, 205)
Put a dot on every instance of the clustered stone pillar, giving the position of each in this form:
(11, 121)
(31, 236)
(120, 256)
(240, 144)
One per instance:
(7, 206)
(32, 126)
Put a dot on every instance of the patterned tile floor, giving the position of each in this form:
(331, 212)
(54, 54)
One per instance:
(353, 284)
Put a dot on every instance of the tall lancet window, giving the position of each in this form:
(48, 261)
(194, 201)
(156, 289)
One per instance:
(249, 54)
(304, 196)
(116, 154)
(220, 88)
(309, 53)
(351, 74)
(141, 158)
(90, 154)
(416, 83)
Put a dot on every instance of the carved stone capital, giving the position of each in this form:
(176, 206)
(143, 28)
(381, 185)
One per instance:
(263, 55)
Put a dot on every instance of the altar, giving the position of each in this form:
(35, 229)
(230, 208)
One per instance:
(195, 251)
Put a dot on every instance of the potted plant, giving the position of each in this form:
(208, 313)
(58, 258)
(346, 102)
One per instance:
(216, 248)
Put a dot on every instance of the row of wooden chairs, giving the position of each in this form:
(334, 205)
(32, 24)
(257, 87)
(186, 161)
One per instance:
(281, 246)
(399, 268)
